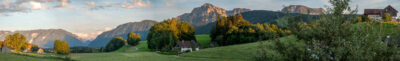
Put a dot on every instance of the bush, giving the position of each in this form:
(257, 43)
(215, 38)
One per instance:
(286, 49)
(61, 47)
(335, 38)
(115, 44)
(133, 39)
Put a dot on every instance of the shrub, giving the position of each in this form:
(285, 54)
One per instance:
(61, 47)
(115, 44)
(133, 39)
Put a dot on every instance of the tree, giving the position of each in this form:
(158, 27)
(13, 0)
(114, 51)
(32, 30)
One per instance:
(133, 39)
(15, 41)
(387, 17)
(61, 47)
(236, 30)
(115, 44)
(1, 44)
(333, 38)
(163, 35)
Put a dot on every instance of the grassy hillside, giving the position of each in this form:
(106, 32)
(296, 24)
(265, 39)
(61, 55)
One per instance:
(241, 52)
(142, 54)
(14, 57)
(203, 40)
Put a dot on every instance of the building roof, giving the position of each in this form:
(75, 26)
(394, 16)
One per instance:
(186, 44)
(391, 8)
(373, 11)
(388, 9)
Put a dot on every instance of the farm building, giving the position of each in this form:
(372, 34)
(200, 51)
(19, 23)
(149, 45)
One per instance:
(187, 46)
(377, 14)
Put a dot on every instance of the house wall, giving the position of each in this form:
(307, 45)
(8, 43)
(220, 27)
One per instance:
(186, 49)
(375, 17)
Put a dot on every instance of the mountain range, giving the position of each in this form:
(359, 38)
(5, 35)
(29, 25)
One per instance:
(303, 10)
(202, 18)
(45, 38)
(141, 28)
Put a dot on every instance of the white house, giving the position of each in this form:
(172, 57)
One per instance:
(185, 46)
(377, 14)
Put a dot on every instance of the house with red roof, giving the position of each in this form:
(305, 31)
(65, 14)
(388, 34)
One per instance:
(377, 14)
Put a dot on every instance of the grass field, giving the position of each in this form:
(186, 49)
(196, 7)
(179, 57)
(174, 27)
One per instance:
(14, 57)
(203, 40)
(241, 52)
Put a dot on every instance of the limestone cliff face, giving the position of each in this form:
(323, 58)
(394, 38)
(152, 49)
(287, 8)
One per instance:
(206, 14)
(203, 15)
(237, 11)
(303, 10)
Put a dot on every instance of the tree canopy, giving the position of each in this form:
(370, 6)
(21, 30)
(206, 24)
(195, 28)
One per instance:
(61, 47)
(15, 41)
(133, 39)
(235, 30)
(115, 44)
(333, 38)
(163, 35)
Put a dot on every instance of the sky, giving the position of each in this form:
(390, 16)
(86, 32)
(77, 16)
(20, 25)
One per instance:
(89, 18)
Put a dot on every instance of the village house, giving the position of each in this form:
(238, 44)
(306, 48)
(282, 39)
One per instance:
(28, 49)
(377, 14)
(187, 46)
(5, 49)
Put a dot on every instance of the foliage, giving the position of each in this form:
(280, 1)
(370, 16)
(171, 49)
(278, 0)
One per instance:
(82, 49)
(15, 41)
(335, 38)
(203, 40)
(236, 30)
(15, 57)
(133, 39)
(387, 17)
(61, 47)
(114, 44)
(286, 48)
(163, 35)
(1, 44)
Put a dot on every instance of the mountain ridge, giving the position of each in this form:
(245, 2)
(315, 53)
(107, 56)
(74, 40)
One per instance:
(45, 38)
(122, 30)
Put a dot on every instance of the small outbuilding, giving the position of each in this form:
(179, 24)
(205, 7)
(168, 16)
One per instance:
(5, 49)
(187, 46)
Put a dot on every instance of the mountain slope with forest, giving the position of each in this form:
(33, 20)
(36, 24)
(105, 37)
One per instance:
(141, 28)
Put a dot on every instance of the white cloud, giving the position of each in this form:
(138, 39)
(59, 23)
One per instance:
(135, 4)
(91, 3)
(63, 3)
(107, 3)
(107, 28)
(168, 4)
(91, 35)
(37, 5)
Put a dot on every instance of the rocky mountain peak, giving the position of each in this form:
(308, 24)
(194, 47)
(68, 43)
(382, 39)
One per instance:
(208, 8)
(303, 10)
(237, 11)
